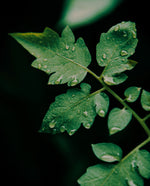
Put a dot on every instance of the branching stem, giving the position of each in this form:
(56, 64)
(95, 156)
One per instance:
(136, 116)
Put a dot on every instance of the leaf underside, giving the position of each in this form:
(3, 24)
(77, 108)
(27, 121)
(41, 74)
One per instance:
(58, 55)
(113, 51)
(128, 172)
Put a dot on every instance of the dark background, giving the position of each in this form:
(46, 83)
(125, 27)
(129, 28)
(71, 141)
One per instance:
(32, 158)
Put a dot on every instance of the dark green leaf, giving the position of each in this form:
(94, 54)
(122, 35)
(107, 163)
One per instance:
(118, 119)
(143, 163)
(145, 100)
(113, 51)
(102, 104)
(80, 12)
(70, 110)
(121, 174)
(108, 152)
(58, 55)
(132, 93)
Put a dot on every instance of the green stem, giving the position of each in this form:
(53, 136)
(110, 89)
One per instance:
(146, 117)
(137, 117)
(136, 148)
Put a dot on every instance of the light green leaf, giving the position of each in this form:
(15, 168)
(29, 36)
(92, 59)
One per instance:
(132, 93)
(121, 174)
(143, 163)
(70, 110)
(118, 119)
(58, 55)
(145, 100)
(102, 104)
(107, 152)
(113, 51)
(81, 12)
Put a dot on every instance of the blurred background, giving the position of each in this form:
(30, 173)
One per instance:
(32, 158)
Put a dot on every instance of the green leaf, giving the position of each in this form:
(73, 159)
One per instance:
(107, 152)
(121, 174)
(70, 110)
(132, 93)
(145, 100)
(143, 163)
(102, 104)
(118, 119)
(61, 56)
(113, 51)
(81, 12)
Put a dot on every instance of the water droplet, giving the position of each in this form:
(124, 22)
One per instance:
(101, 113)
(52, 124)
(73, 49)
(104, 56)
(74, 82)
(85, 113)
(72, 132)
(134, 34)
(124, 53)
(87, 126)
(45, 66)
(124, 34)
(58, 81)
(39, 66)
(108, 158)
(131, 183)
(67, 47)
(116, 28)
(62, 128)
(114, 130)
(45, 59)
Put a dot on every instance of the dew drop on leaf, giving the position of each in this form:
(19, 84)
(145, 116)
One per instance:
(108, 158)
(58, 81)
(133, 34)
(85, 113)
(73, 49)
(45, 59)
(67, 47)
(72, 132)
(39, 66)
(52, 124)
(116, 28)
(124, 53)
(131, 183)
(87, 126)
(101, 113)
(62, 128)
(104, 56)
(45, 66)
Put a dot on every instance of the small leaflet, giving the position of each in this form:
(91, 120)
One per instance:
(145, 100)
(107, 152)
(118, 119)
(132, 93)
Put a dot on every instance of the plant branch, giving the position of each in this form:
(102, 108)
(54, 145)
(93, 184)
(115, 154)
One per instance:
(136, 116)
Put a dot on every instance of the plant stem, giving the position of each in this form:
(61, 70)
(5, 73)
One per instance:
(137, 117)
(136, 148)
(146, 117)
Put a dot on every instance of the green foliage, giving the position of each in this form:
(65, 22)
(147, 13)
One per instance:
(70, 110)
(108, 152)
(58, 55)
(118, 119)
(66, 61)
(129, 171)
(113, 51)
(132, 93)
(145, 100)
(80, 12)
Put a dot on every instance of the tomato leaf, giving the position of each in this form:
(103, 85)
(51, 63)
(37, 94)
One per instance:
(61, 56)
